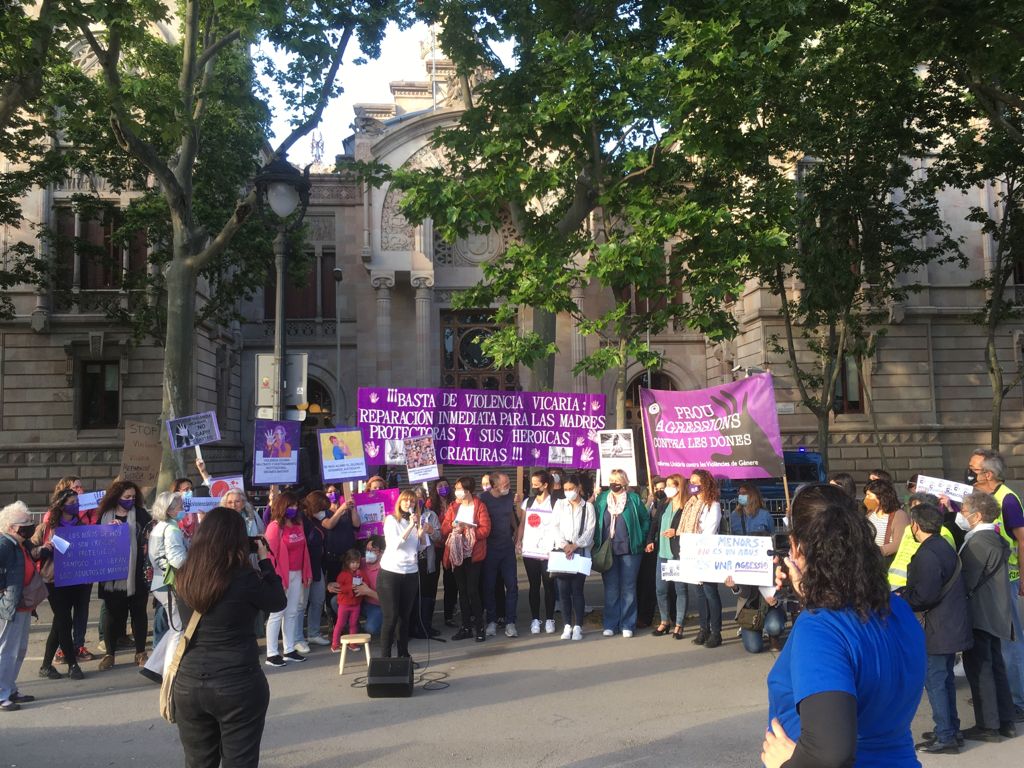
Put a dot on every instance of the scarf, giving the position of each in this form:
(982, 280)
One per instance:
(616, 506)
(691, 515)
(124, 585)
(460, 547)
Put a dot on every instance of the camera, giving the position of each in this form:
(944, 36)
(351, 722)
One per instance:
(253, 540)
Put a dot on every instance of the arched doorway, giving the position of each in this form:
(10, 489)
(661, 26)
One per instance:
(647, 380)
(319, 414)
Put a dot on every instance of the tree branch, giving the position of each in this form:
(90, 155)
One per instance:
(217, 47)
(217, 246)
(996, 115)
(787, 316)
(21, 90)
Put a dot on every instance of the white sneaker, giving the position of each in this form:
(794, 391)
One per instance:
(577, 632)
(627, 633)
(318, 640)
(491, 629)
(511, 631)
(535, 627)
(567, 632)
(549, 626)
(608, 633)
(302, 647)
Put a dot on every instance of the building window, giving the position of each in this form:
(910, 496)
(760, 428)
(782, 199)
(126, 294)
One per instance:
(101, 259)
(849, 396)
(464, 364)
(300, 294)
(99, 403)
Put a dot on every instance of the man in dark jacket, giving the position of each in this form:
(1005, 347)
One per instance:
(935, 587)
(984, 557)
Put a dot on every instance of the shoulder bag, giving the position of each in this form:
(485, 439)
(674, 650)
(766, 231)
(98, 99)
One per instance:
(751, 618)
(34, 592)
(167, 686)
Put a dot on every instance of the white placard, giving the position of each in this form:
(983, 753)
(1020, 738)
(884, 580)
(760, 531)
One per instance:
(617, 450)
(536, 533)
(712, 558)
(954, 490)
(200, 504)
(559, 563)
(465, 515)
(61, 545)
(91, 500)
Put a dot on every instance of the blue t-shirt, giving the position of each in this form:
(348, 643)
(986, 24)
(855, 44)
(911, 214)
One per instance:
(881, 663)
(760, 524)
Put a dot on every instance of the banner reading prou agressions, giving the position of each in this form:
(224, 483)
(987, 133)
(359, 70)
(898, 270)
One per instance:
(479, 427)
(730, 430)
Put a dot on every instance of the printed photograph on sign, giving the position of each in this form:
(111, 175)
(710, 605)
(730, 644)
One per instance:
(190, 431)
(275, 452)
(421, 459)
(341, 455)
(221, 485)
(616, 450)
(559, 455)
(372, 507)
(394, 451)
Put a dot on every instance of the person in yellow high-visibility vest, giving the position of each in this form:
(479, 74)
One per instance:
(909, 545)
(986, 471)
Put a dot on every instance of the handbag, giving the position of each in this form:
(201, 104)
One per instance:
(752, 618)
(34, 592)
(167, 685)
(601, 558)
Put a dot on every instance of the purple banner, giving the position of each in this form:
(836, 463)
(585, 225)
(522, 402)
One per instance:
(275, 458)
(731, 430)
(483, 428)
(93, 553)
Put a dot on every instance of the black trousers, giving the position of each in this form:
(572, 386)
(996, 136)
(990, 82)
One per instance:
(451, 595)
(467, 578)
(220, 719)
(646, 596)
(398, 593)
(424, 621)
(537, 573)
(119, 608)
(62, 602)
(986, 674)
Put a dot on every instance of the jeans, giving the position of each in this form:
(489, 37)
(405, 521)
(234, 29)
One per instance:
(220, 719)
(315, 607)
(374, 618)
(1013, 650)
(62, 602)
(398, 593)
(940, 685)
(774, 623)
(620, 593)
(13, 645)
(80, 616)
(467, 577)
(709, 602)
(986, 674)
(163, 651)
(503, 563)
(662, 588)
(300, 616)
(570, 587)
(537, 573)
(119, 607)
(284, 621)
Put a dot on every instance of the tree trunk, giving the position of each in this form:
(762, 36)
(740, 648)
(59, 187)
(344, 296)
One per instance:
(823, 432)
(995, 376)
(620, 387)
(542, 373)
(178, 395)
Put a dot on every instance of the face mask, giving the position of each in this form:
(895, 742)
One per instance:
(442, 491)
(26, 531)
(571, 495)
(459, 493)
(742, 499)
(371, 557)
(504, 491)
(870, 504)
(971, 476)
(321, 515)
(291, 512)
(556, 478)
(72, 508)
(126, 504)
(615, 488)
(182, 514)
(333, 497)
(670, 491)
(961, 522)
(694, 489)
(485, 487)
(535, 491)
(186, 494)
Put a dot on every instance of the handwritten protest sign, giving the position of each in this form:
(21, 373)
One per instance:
(954, 490)
(275, 452)
(190, 431)
(421, 459)
(537, 540)
(94, 553)
(373, 507)
(712, 558)
(474, 427)
(617, 451)
(731, 430)
(341, 455)
(140, 459)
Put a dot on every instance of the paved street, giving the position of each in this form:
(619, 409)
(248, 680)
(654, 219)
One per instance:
(531, 701)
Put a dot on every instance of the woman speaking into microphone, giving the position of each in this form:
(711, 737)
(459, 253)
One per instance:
(398, 582)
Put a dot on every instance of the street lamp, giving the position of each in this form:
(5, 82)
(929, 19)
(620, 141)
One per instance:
(280, 185)
(339, 415)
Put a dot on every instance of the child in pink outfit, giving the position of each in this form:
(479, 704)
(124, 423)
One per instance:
(349, 602)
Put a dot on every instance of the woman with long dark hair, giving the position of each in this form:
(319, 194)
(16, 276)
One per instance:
(887, 517)
(536, 565)
(703, 514)
(287, 541)
(315, 507)
(848, 681)
(220, 693)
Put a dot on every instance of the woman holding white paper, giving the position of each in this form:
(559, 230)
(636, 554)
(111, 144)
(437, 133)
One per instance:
(466, 527)
(573, 533)
(535, 557)
(703, 514)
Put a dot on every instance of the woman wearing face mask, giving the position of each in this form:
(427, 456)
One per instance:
(63, 513)
(80, 611)
(287, 541)
(749, 517)
(16, 570)
(466, 527)
(236, 500)
(702, 514)
(668, 549)
(187, 524)
(888, 519)
(122, 505)
(167, 553)
(314, 512)
(398, 583)
(573, 533)
(440, 498)
(537, 569)
(623, 518)
(340, 527)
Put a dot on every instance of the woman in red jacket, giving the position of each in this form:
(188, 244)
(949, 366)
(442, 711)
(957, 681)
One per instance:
(287, 541)
(465, 527)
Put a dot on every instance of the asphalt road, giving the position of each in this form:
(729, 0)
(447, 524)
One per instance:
(529, 701)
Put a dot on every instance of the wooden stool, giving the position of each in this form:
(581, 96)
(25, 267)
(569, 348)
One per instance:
(344, 642)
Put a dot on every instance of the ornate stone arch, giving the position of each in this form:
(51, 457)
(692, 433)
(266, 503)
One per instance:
(396, 233)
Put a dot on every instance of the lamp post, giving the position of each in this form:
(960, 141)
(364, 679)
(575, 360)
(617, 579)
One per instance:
(283, 188)
(339, 415)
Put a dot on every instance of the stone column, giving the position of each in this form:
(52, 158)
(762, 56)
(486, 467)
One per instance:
(579, 342)
(383, 282)
(425, 346)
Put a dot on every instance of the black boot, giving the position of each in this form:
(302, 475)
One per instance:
(462, 634)
(701, 638)
(714, 640)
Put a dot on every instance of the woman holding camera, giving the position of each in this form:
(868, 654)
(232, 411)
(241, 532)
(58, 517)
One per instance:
(846, 686)
(398, 582)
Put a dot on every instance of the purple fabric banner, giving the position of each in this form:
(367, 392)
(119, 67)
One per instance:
(731, 430)
(95, 553)
(483, 428)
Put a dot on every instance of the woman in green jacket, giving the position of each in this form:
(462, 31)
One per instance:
(622, 518)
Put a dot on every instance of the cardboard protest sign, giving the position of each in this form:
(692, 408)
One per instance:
(954, 490)
(731, 430)
(190, 431)
(275, 452)
(711, 558)
(372, 507)
(341, 454)
(92, 553)
(421, 459)
(617, 450)
(537, 540)
(221, 485)
(140, 459)
(474, 427)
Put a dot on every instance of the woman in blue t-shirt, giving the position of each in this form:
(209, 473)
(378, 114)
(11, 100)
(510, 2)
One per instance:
(846, 686)
(749, 517)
